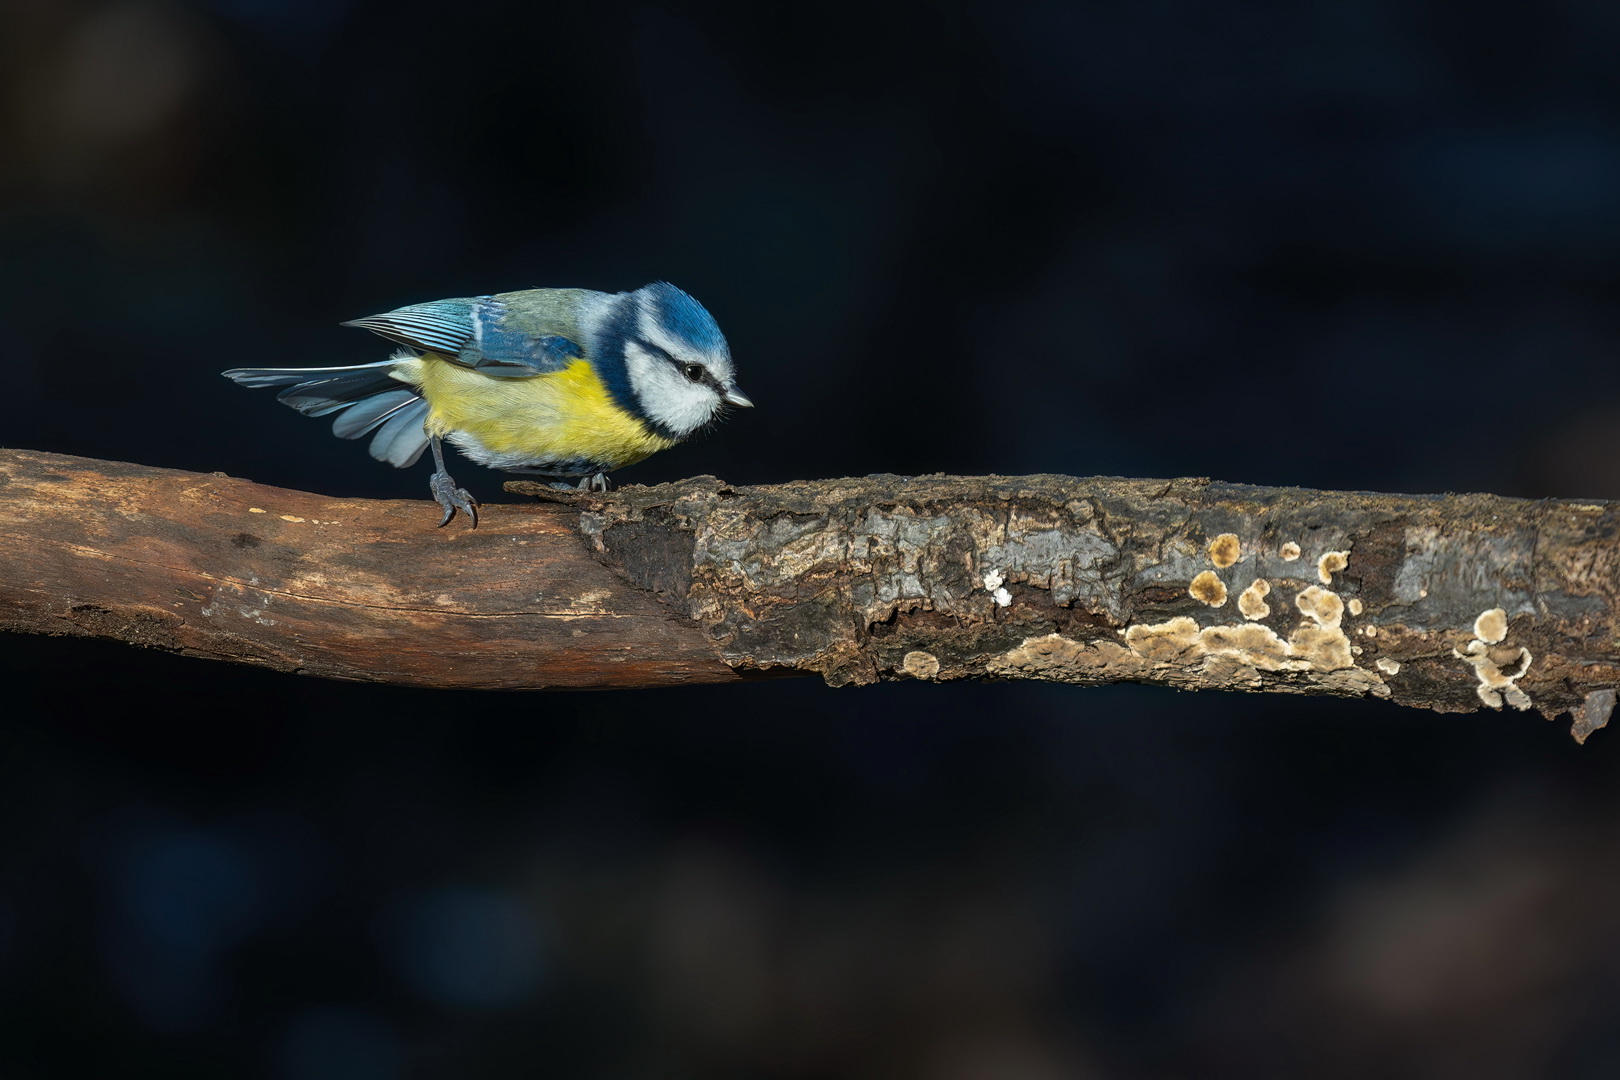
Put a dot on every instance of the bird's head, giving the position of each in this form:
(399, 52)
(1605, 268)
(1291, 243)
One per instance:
(677, 360)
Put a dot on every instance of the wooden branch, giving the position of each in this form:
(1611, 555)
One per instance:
(1441, 602)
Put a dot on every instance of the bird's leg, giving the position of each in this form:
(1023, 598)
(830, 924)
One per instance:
(445, 492)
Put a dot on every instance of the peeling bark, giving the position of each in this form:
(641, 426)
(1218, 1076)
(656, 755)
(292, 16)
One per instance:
(1442, 602)
(1105, 580)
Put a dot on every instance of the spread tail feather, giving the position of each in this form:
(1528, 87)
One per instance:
(365, 397)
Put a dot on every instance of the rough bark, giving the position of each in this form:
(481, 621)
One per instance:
(1443, 602)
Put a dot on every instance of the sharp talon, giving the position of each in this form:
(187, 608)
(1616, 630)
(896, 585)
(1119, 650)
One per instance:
(452, 498)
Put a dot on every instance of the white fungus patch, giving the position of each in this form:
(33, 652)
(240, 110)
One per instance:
(1321, 604)
(920, 665)
(1317, 644)
(1208, 588)
(1053, 656)
(1225, 550)
(1252, 601)
(1325, 642)
(1498, 667)
(1182, 652)
(1181, 640)
(992, 585)
(1491, 626)
(1388, 666)
(1331, 563)
(1353, 605)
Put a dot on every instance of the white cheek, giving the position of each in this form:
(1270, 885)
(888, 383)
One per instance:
(669, 397)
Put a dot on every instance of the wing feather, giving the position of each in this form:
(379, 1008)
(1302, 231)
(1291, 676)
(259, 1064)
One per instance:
(511, 336)
(442, 326)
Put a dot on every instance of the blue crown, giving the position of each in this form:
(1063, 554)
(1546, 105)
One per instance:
(685, 318)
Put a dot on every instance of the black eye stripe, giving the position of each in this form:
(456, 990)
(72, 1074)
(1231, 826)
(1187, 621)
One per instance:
(695, 372)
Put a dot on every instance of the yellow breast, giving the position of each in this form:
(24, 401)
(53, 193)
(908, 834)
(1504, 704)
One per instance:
(563, 416)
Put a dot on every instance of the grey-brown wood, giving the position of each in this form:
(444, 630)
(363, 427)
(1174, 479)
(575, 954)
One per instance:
(1449, 602)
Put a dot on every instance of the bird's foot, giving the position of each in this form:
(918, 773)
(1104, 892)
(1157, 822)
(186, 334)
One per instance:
(593, 482)
(560, 491)
(452, 498)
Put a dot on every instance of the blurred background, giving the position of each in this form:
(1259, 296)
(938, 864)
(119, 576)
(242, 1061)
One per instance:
(1367, 244)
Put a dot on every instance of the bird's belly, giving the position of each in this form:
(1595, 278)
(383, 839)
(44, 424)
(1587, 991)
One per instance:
(565, 421)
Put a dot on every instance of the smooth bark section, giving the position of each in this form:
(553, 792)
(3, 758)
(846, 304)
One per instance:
(1440, 602)
(207, 565)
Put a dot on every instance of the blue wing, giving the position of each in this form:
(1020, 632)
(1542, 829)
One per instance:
(443, 326)
(472, 331)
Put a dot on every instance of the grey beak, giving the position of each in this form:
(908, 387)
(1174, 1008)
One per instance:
(738, 398)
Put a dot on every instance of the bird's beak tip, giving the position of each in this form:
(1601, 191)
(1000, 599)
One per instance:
(739, 399)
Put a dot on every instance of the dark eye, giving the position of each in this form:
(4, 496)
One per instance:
(693, 371)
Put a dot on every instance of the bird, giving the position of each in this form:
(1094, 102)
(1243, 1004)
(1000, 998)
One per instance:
(560, 383)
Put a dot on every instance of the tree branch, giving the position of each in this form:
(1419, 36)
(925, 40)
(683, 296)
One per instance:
(1440, 602)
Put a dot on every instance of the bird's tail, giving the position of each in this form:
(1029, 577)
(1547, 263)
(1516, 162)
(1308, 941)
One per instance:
(366, 398)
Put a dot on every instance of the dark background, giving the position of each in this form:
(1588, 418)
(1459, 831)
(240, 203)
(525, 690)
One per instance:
(1341, 244)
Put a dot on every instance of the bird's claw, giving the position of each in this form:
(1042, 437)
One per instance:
(596, 482)
(452, 498)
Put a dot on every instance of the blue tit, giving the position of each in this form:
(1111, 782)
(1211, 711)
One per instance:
(554, 382)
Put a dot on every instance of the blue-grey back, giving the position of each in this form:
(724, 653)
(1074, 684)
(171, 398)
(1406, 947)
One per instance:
(509, 335)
